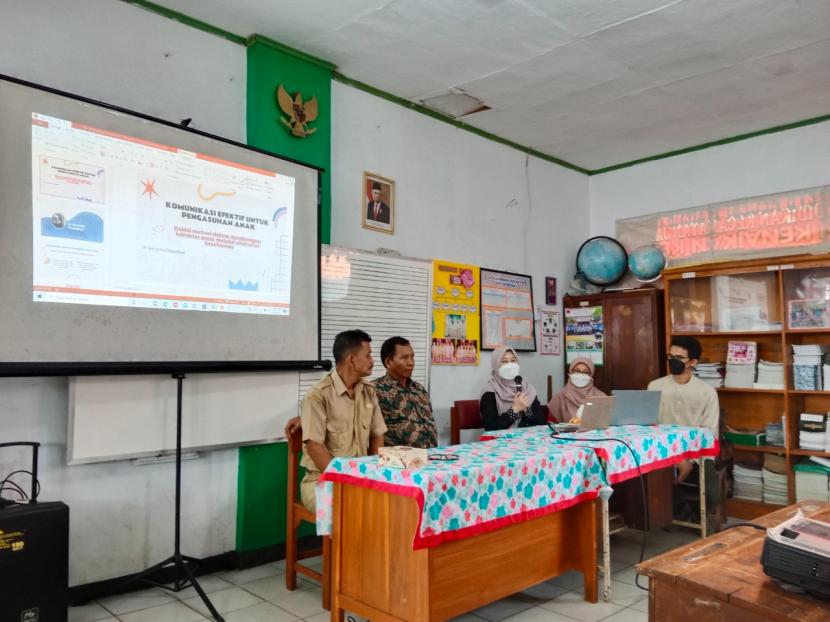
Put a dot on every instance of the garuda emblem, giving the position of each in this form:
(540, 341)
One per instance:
(299, 114)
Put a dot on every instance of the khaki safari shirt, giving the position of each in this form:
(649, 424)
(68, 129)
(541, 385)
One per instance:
(330, 417)
(407, 412)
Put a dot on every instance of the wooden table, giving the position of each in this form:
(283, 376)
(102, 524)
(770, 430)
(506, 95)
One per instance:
(720, 579)
(377, 574)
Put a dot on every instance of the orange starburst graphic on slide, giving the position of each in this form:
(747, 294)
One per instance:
(149, 188)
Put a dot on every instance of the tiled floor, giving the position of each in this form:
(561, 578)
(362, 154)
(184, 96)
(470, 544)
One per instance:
(259, 595)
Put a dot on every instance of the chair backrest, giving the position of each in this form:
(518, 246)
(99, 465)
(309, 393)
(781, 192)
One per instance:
(295, 447)
(464, 415)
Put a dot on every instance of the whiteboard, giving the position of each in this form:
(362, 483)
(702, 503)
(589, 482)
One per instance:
(121, 417)
(384, 295)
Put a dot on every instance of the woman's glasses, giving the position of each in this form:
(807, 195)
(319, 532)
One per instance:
(443, 457)
(682, 359)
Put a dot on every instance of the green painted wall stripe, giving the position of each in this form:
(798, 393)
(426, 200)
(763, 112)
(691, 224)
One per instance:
(455, 122)
(308, 58)
(200, 25)
(714, 143)
(187, 20)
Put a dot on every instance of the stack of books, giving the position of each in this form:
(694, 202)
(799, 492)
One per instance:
(710, 373)
(812, 431)
(741, 357)
(775, 434)
(770, 375)
(774, 476)
(748, 482)
(812, 481)
(808, 367)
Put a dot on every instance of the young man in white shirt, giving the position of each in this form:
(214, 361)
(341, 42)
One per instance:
(686, 399)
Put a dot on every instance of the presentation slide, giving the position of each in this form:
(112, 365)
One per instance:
(122, 221)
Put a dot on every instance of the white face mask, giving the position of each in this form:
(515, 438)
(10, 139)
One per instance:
(580, 380)
(509, 371)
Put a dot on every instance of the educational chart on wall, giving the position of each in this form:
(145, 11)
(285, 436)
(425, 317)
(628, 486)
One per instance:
(584, 334)
(507, 311)
(455, 313)
(123, 221)
(550, 329)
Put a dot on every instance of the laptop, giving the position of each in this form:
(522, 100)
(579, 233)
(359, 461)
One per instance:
(636, 407)
(597, 413)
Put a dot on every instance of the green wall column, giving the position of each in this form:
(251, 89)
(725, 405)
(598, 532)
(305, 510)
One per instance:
(260, 518)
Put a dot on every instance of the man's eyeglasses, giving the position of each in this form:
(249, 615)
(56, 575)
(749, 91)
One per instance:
(682, 359)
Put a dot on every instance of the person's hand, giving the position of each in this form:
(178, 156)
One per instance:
(684, 469)
(292, 426)
(520, 403)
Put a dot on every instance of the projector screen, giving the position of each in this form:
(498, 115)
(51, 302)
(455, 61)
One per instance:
(125, 239)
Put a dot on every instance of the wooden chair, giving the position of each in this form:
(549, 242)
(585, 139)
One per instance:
(464, 415)
(296, 513)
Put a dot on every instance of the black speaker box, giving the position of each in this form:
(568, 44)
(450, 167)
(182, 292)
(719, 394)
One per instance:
(34, 562)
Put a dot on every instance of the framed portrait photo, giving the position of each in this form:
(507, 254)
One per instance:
(378, 203)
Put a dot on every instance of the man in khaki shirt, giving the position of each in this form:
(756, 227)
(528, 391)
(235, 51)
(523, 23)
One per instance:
(340, 415)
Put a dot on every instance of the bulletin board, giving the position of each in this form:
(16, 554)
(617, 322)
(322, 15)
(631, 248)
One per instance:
(507, 311)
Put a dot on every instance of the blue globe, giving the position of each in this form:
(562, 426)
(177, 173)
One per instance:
(646, 262)
(602, 260)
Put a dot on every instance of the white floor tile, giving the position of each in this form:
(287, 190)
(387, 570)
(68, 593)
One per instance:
(241, 577)
(302, 603)
(641, 605)
(171, 612)
(625, 594)
(91, 612)
(208, 583)
(573, 606)
(325, 617)
(537, 614)
(264, 612)
(542, 593)
(272, 588)
(467, 617)
(135, 601)
(504, 608)
(628, 575)
(225, 601)
(570, 580)
(628, 615)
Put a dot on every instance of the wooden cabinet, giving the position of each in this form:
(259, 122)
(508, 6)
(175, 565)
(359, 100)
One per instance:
(633, 337)
(776, 304)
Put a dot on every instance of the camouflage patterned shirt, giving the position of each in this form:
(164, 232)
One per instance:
(407, 412)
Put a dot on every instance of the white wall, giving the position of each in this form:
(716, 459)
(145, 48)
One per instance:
(771, 163)
(459, 197)
(121, 515)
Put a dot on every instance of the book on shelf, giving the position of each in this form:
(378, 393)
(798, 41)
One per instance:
(812, 481)
(809, 348)
(808, 313)
(812, 431)
(770, 375)
(807, 378)
(742, 352)
(753, 438)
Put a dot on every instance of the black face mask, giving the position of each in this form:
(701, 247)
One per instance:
(676, 367)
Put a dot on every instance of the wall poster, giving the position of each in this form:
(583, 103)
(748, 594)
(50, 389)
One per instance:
(507, 311)
(455, 313)
(584, 334)
(551, 332)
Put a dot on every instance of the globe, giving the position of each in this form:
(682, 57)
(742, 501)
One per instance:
(602, 260)
(646, 262)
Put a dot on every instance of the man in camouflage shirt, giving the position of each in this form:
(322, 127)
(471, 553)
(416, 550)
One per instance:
(404, 403)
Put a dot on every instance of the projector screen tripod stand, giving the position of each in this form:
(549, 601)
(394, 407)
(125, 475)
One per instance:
(184, 576)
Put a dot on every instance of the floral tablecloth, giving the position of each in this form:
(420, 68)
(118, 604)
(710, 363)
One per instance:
(655, 446)
(488, 486)
(519, 474)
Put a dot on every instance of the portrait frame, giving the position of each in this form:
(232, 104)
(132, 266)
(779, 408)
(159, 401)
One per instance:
(387, 199)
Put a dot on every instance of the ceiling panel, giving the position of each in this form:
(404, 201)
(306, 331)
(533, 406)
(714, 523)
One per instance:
(593, 82)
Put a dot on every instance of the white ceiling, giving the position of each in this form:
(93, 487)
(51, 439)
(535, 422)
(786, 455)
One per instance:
(593, 82)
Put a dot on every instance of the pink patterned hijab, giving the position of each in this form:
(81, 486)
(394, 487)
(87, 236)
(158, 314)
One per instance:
(505, 390)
